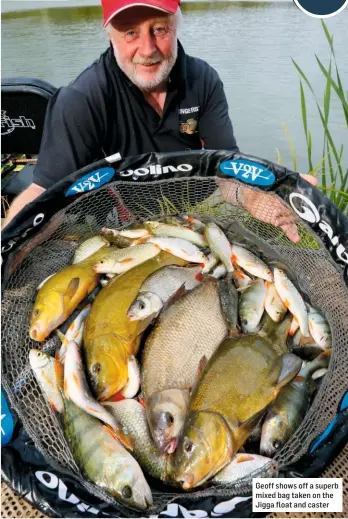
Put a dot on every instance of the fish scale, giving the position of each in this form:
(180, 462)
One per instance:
(132, 416)
(193, 327)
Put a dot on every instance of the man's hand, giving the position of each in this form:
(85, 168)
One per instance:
(266, 207)
(27, 196)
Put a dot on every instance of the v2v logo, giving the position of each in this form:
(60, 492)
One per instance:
(308, 212)
(91, 181)
(248, 172)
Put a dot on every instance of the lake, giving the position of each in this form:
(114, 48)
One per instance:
(250, 44)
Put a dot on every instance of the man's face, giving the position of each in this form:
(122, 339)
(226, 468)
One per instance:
(145, 45)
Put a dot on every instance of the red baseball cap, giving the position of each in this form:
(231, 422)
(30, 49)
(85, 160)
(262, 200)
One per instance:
(112, 7)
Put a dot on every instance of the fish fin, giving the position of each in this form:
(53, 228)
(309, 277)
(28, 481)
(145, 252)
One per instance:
(141, 401)
(72, 288)
(291, 365)
(76, 380)
(59, 370)
(120, 436)
(234, 331)
(126, 260)
(65, 385)
(91, 409)
(201, 365)
(298, 378)
(276, 333)
(294, 326)
(52, 405)
(199, 276)
(175, 297)
(117, 397)
(244, 457)
(305, 340)
(243, 431)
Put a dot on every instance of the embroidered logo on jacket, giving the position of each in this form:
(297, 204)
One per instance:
(189, 126)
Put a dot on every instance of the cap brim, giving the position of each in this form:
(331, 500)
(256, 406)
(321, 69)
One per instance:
(139, 4)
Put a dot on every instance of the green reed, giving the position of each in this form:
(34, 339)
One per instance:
(331, 173)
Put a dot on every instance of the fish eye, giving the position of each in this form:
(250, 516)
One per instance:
(169, 418)
(126, 492)
(39, 354)
(101, 261)
(277, 444)
(188, 446)
(36, 312)
(96, 368)
(141, 305)
(244, 321)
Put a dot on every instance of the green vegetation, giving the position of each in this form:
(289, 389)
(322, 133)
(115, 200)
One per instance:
(332, 175)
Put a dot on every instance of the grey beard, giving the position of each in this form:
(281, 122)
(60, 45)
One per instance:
(142, 83)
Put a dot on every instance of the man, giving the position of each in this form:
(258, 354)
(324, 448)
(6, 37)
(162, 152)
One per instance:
(143, 94)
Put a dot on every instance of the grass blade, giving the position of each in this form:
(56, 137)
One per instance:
(337, 89)
(279, 158)
(307, 134)
(328, 36)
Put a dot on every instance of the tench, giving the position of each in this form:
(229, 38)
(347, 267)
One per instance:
(61, 294)
(185, 333)
(240, 380)
(103, 460)
(109, 335)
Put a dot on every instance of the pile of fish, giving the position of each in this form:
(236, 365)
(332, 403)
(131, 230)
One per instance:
(230, 358)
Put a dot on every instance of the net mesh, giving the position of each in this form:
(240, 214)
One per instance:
(119, 205)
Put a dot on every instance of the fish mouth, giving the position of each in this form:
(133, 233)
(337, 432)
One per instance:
(171, 446)
(132, 317)
(38, 336)
(186, 481)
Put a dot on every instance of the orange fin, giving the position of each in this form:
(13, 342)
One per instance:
(199, 276)
(298, 378)
(59, 370)
(117, 397)
(141, 401)
(120, 436)
(326, 353)
(52, 405)
(126, 260)
(92, 409)
(245, 457)
(76, 380)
